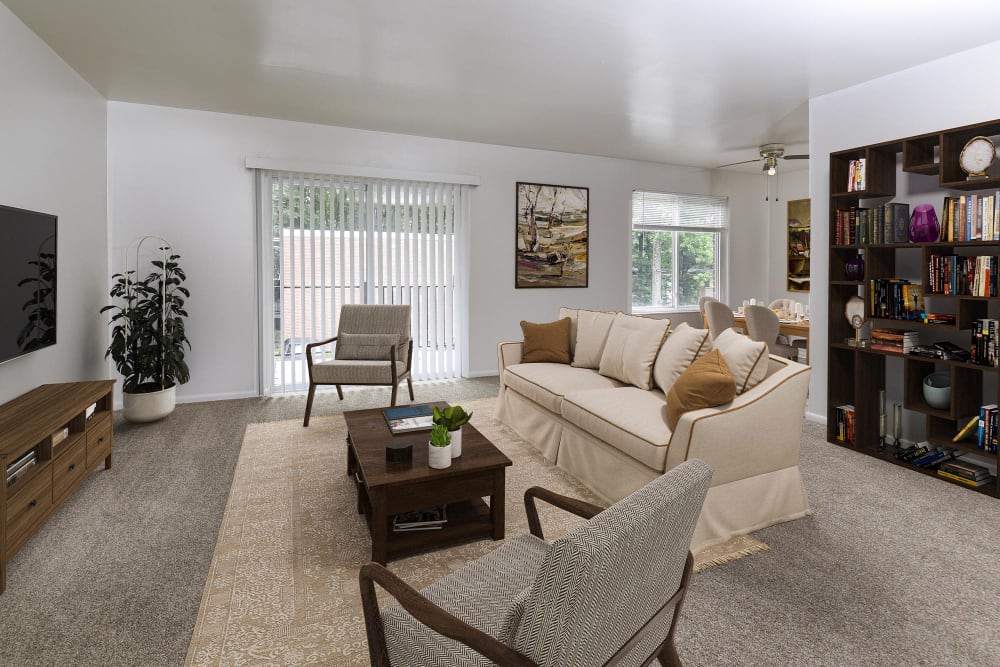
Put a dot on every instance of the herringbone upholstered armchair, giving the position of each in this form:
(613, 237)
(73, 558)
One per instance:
(373, 347)
(607, 593)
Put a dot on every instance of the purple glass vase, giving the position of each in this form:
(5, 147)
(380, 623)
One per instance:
(854, 268)
(924, 226)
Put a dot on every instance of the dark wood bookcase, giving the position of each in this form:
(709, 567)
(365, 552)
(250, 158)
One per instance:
(925, 163)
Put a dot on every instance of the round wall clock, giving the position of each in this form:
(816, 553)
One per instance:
(977, 156)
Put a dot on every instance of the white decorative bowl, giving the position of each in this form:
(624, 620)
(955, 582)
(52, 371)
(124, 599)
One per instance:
(937, 390)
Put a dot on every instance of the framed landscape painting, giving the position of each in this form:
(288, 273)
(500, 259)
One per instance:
(551, 235)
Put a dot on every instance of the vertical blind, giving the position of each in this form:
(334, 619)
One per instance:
(330, 240)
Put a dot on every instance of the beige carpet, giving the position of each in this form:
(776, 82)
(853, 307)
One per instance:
(283, 587)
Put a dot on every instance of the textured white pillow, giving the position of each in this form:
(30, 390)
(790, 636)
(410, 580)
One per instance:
(747, 360)
(571, 314)
(631, 349)
(592, 329)
(682, 346)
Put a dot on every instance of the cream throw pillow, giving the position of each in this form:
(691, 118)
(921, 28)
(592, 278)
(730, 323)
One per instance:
(571, 314)
(747, 360)
(631, 349)
(683, 346)
(592, 328)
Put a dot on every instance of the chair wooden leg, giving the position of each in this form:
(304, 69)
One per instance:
(340, 392)
(668, 656)
(409, 383)
(395, 387)
(309, 403)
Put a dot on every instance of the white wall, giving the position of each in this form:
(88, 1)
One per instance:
(180, 174)
(892, 107)
(53, 159)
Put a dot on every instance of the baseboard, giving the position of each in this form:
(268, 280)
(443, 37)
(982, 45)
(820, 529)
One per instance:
(482, 374)
(203, 398)
(815, 418)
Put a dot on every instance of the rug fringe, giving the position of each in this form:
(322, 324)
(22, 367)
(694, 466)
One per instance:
(731, 556)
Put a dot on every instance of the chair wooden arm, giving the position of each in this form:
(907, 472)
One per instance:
(310, 346)
(429, 614)
(576, 506)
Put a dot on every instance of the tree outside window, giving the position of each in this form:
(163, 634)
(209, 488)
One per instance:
(677, 249)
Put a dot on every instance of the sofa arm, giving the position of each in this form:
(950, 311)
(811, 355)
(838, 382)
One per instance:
(721, 437)
(508, 354)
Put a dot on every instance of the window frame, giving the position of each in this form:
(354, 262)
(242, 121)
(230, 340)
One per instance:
(722, 253)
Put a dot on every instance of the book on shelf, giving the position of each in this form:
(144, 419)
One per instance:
(91, 409)
(986, 434)
(937, 318)
(963, 275)
(408, 418)
(928, 351)
(966, 430)
(845, 423)
(432, 518)
(17, 468)
(966, 469)
(951, 351)
(983, 347)
(963, 480)
(895, 299)
(856, 175)
(971, 218)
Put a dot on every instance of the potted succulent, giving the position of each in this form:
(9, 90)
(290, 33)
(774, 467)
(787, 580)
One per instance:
(439, 447)
(453, 418)
(147, 334)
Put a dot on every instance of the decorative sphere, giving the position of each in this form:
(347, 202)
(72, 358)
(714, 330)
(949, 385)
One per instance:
(924, 226)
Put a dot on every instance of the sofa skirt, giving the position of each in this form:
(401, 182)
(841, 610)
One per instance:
(536, 425)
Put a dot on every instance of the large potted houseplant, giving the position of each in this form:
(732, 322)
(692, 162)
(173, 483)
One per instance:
(147, 333)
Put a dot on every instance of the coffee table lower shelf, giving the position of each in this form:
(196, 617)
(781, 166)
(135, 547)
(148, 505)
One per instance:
(467, 520)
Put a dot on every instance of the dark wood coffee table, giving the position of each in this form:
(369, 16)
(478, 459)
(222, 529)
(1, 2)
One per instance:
(387, 488)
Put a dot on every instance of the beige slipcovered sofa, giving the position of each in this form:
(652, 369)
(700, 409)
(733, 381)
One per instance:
(614, 436)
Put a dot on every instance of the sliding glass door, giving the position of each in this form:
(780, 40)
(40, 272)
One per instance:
(329, 240)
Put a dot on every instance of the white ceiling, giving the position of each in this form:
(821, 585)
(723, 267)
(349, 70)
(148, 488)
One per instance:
(694, 83)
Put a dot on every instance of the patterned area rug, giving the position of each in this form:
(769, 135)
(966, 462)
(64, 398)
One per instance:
(283, 586)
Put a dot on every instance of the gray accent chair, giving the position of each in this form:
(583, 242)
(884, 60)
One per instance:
(719, 317)
(702, 300)
(763, 325)
(607, 593)
(373, 347)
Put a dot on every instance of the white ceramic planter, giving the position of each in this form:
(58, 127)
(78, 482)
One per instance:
(456, 442)
(150, 406)
(438, 457)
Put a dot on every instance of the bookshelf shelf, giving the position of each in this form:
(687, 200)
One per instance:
(856, 375)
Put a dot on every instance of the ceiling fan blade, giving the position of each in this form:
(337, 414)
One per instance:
(795, 157)
(731, 164)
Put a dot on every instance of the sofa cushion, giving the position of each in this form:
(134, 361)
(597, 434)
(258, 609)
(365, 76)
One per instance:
(546, 342)
(683, 345)
(747, 359)
(546, 383)
(705, 384)
(592, 329)
(631, 349)
(632, 420)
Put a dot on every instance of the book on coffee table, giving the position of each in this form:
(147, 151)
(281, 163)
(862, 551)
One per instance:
(432, 518)
(409, 418)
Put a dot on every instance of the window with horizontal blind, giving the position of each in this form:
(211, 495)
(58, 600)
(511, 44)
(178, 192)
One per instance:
(679, 249)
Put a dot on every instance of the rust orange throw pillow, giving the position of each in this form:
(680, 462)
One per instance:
(546, 342)
(706, 383)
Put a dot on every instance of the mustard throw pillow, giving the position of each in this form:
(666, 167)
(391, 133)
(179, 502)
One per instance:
(706, 383)
(546, 342)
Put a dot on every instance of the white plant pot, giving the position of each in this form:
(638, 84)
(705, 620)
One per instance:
(438, 457)
(456, 442)
(149, 406)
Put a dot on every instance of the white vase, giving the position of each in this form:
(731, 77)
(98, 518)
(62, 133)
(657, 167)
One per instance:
(438, 457)
(149, 406)
(456, 442)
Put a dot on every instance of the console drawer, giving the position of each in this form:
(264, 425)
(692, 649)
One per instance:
(68, 469)
(29, 505)
(98, 441)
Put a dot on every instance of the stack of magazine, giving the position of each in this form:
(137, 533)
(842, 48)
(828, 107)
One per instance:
(432, 518)
(20, 466)
(409, 418)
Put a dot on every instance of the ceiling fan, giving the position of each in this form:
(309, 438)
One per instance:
(769, 155)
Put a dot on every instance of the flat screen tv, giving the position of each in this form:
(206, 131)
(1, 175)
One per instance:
(27, 282)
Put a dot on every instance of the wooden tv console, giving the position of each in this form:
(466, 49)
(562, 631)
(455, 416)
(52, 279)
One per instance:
(28, 423)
